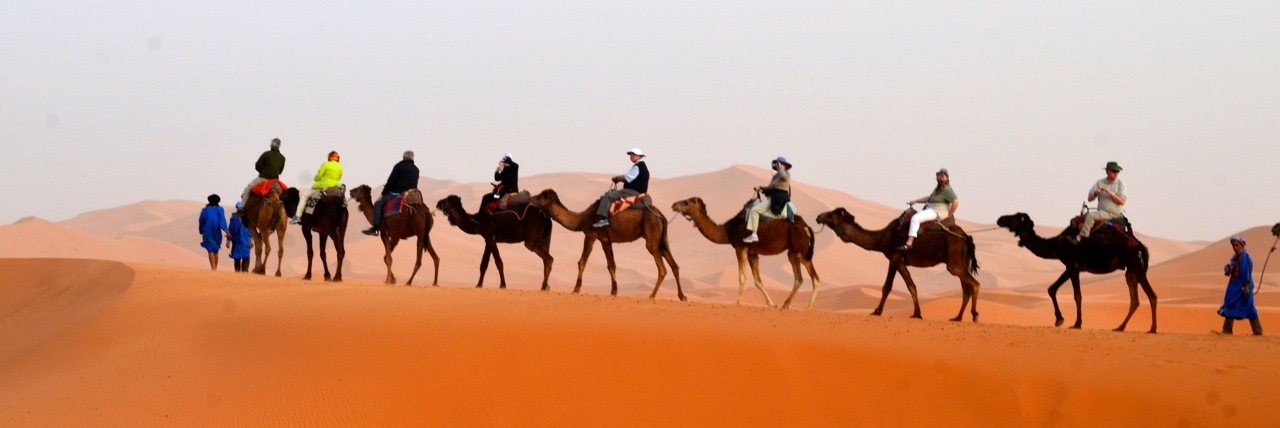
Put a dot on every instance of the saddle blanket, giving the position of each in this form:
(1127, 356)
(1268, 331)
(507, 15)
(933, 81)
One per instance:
(261, 189)
(904, 222)
(1120, 224)
(626, 202)
(509, 201)
(789, 211)
(396, 203)
(338, 193)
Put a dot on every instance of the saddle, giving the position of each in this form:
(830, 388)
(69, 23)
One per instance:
(271, 185)
(509, 202)
(334, 195)
(789, 211)
(904, 223)
(1119, 224)
(629, 202)
(397, 203)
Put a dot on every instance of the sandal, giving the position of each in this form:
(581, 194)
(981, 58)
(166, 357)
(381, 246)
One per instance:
(905, 247)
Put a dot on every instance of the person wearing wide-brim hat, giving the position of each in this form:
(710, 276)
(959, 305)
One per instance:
(634, 182)
(773, 197)
(1109, 191)
(941, 203)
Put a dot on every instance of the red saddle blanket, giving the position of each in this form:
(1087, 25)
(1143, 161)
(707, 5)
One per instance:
(261, 189)
(397, 203)
(626, 202)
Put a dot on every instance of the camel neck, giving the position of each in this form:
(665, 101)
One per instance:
(716, 233)
(575, 221)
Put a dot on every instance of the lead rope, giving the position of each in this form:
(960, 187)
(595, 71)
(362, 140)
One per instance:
(1275, 230)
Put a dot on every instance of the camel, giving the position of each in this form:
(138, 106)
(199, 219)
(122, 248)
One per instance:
(414, 220)
(265, 215)
(1105, 251)
(932, 247)
(329, 220)
(530, 226)
(641, 220)
(796, 238)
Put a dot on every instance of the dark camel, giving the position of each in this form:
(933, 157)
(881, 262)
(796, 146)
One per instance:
(265, 215)
(329, 220)
(776, 236)
(530, 226)
(932, 247)
(1104, 251)
(414, 220)
(639, 221)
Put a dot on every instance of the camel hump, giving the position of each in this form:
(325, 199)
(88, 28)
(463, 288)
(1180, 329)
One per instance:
(339, 191)
(1119, 224)
(631, 202)
(515, 201)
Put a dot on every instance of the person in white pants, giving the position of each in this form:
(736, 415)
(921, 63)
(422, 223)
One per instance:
(940, 204)
(779, 186)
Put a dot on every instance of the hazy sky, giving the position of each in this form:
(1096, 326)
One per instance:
(108, 103)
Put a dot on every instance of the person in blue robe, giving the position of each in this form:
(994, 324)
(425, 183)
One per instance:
(1238, 302)
(213, 224)
(238, 240)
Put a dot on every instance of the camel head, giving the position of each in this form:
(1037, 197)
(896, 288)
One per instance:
(1016, 223)
(690, 206)
(362, 193)
(448, 205)
(546, 198)
(835, 217)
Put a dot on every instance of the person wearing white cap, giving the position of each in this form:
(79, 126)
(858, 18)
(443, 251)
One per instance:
(940, 204)
(508, 177)
(772, 198)
(634, 182)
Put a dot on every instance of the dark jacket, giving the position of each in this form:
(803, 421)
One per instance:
(510, 178)
(641, 183)
(404, 176)
(270, 164)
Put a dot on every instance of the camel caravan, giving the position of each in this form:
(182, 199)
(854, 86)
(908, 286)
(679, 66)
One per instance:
(1098, 241)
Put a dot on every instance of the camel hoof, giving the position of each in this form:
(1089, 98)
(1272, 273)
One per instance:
(683, 299)
(917, 317)
(308, 278)
(1152, 331)
(1075, 327)
(956, 319)
(545, 287)
(336, 279)
(1059, 322)
(1118, 329)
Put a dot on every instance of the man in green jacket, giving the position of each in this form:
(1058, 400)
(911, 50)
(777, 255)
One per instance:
(269, 166)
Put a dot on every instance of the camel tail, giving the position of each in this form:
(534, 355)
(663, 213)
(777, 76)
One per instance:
(291, 199)
(973, 254)
(808, 254)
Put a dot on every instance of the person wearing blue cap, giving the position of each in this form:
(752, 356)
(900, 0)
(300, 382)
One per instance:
(1238, 302)
(772, 197)
(238, 239)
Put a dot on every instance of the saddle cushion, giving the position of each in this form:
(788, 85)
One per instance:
(1120, 224)
(397, 203)
(904, 222)
(627, 202)
(265, 187)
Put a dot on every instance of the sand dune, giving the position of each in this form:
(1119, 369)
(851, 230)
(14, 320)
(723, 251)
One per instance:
(93, 343)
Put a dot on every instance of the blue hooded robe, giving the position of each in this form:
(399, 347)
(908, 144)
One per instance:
(213, 220)
(239, 238)
(1238, 303)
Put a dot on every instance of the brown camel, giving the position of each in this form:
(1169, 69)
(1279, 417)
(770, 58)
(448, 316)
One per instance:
(1105, 251)
(329, 220)
(932, 247)
(796, 238)
(530, 226)
(641, 220)
(414, 220)
(265, 215)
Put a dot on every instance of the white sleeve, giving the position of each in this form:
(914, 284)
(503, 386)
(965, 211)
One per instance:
(632, 173)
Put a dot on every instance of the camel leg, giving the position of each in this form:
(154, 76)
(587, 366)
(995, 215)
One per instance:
(675, 271)
(970, 287)
(435, 258)
(911, 287)
(656, 251)
(324, 258)
(741, 252)
(1132, 281)
(817, 283)
(279, 251)
(1053, 297)
(888, 286)
(547, 260)
(754, 260)
(607, 247)
(1151, 297)
(587, 243)
(795, 268)
(417, 250)
(340, 245)
(306, 236)
(484, 263)
(389, 245)
(497, 262)
(1075, 292)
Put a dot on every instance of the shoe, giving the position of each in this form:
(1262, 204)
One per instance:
(294, 220)
(601, 223)
(1073, 240)
(751, 238)
(904, 247)
(372, 231)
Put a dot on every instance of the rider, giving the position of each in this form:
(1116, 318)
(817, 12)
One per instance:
(635, 182)
(404, 177)
(776, 194)
(940, 204)
(1110, 206)
(508, 177)
(270, 164)
(329, 175)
